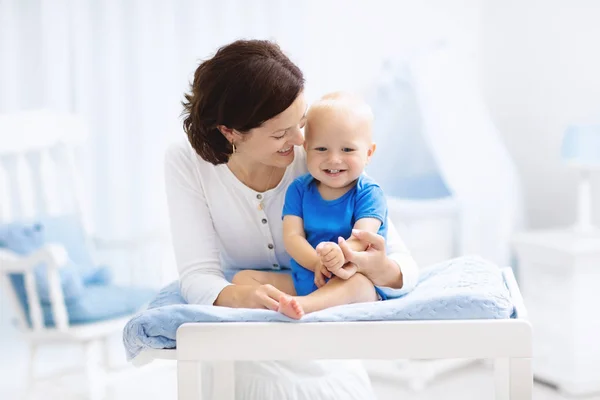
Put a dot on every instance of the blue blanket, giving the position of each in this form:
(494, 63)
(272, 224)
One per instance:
(462, 288)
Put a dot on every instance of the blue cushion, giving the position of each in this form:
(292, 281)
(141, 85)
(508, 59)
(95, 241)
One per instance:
(89, 296)
(102, 303)
(461, 288)
(68, 231)
(24, 239)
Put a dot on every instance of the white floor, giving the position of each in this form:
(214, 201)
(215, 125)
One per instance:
(158, 382)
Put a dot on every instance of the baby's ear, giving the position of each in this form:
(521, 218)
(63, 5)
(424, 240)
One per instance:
(370, 151)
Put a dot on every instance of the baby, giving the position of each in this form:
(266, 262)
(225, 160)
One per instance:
(322, 207)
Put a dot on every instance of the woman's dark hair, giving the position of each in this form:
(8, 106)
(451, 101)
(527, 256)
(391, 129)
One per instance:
(245, 84)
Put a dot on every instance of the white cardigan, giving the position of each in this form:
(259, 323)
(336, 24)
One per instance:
(220, 226)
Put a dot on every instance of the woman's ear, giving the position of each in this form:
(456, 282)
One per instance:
(229, 133)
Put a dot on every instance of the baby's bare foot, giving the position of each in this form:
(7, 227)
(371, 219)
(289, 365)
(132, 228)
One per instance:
(290, 307)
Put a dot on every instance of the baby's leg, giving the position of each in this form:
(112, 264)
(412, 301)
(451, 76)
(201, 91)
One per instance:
(282, 281)
(357, 289)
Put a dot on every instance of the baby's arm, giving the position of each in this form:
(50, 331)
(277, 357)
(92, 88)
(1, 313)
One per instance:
(296, 244)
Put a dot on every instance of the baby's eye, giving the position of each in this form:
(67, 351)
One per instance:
(320, 148)
(347, 150)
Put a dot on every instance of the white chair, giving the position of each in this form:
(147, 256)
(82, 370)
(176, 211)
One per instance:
(37, 156)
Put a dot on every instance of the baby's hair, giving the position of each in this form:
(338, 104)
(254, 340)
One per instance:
(346, 102)
(349, 105)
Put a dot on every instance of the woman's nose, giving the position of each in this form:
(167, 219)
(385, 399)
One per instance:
(297, 139)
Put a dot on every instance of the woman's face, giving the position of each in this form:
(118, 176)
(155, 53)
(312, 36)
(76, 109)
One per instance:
(273, 142)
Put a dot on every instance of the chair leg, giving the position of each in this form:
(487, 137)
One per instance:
(95, 370)
(188, 380)
(513, 379)
(108, 368)
(106, 353)
(31, 375)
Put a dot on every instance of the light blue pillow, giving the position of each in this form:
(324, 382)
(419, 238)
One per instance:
(68, 230)
(101, 303)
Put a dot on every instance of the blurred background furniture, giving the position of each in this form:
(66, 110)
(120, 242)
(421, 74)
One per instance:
(581, 150)
(559, 272)
(57, 289)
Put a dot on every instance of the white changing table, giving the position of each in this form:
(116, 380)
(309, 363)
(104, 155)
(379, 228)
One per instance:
(508, 342)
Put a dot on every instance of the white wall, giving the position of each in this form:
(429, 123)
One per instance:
(345, 42)
(541, 66)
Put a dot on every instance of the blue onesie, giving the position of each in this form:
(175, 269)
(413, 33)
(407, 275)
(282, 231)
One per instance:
(326, 220)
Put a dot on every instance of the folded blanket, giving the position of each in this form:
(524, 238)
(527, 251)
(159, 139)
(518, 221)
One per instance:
(462, 288)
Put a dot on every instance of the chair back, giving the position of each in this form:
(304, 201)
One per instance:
(39, 178)
(39, 172)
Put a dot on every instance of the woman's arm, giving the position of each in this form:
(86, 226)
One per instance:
(193, 235)
(195, 242)
(399, 257)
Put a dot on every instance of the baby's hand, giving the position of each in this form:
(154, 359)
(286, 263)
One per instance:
(321, 274)
(331, 255)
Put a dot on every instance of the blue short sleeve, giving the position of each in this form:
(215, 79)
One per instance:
(370, 203)
(293, 199)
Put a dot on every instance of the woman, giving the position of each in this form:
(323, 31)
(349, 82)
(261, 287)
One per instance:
(225, 189)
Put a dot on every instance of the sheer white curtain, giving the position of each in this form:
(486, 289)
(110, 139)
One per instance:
(124, 66)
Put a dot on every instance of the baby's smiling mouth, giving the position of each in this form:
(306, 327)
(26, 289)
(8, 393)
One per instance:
(333, 171)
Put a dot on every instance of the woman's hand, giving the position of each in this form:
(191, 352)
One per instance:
(373, 262)
(248, 296)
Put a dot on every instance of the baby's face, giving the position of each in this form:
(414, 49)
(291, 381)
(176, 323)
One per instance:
(338, 146)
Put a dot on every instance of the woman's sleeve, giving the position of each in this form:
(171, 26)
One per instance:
(194, 239)
(398, 252)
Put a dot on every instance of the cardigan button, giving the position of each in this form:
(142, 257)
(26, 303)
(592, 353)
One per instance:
(270, 246)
